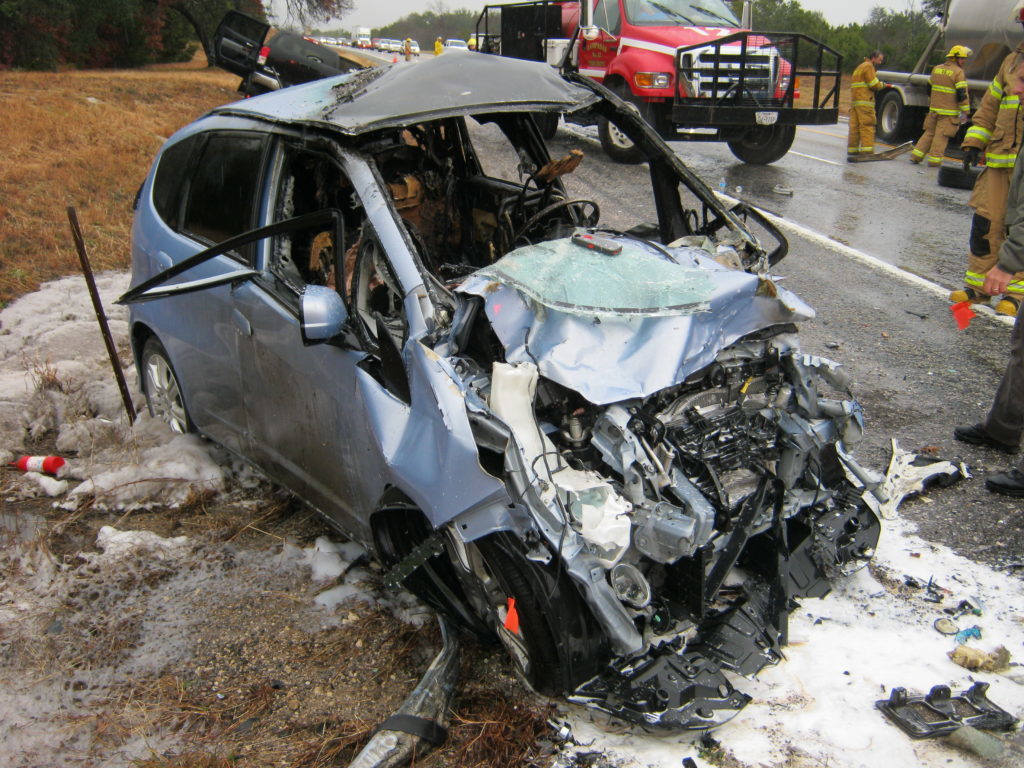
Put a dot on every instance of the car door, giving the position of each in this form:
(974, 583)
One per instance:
(237, 42)
(313, 410)
(203, 209)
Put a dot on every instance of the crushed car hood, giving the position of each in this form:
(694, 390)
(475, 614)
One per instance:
(399, 94)
(619, 327)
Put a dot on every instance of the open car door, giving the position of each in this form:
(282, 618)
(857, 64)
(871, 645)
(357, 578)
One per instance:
(237, 42)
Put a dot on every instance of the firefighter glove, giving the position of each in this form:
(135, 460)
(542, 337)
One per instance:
(971, 157)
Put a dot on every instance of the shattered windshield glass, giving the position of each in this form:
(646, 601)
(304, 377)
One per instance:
(577, 280)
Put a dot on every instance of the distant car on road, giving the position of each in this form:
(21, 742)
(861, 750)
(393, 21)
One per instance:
(458, 45)
(415, 47)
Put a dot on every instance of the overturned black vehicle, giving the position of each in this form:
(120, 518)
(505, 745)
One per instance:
(596, 439)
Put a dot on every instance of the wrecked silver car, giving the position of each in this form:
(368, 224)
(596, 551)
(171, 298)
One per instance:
(601, 443)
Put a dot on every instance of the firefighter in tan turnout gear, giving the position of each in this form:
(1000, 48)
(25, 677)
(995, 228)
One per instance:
(862, 110)
(995, 133)
(948, 106)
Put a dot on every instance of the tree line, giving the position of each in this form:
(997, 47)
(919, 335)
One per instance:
(901, 35)
(49, 34)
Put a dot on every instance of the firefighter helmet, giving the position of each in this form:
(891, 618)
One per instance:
(962, 51)
(1018, 12)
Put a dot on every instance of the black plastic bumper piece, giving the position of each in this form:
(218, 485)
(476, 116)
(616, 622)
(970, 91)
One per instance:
(941, 712)
(669, 692)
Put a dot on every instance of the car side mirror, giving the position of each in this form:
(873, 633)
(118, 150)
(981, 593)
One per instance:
(322, 314)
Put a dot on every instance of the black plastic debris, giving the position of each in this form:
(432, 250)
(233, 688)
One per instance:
(941, 712)
(669, 692)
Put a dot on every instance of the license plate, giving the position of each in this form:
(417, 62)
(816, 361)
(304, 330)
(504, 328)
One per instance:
(766, 118)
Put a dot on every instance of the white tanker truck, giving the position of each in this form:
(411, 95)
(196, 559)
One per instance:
(982, 25)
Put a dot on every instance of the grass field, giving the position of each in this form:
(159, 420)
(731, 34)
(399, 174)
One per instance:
(86, 139)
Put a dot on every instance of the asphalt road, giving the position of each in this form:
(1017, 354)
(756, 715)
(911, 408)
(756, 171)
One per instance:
(915, 373)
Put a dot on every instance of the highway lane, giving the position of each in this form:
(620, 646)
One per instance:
(893, 210)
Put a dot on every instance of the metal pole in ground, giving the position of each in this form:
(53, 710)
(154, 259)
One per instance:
(418, 725)
(115, 361)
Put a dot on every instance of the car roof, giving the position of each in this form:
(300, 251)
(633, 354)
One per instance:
(396, 95)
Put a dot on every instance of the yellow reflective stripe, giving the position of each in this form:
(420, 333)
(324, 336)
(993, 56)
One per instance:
(946, 112)
(943, 89)
(996, 90)
(874, 82)
(863, 103)
(1018, 284)
(917, 152)
(965, 108)
(960, 84)
(989, 162)
(973, 278)
(977, 132)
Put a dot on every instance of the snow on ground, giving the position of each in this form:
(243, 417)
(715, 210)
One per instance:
(815, 708)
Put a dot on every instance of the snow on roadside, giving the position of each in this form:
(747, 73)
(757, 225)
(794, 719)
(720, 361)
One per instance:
(848, 650)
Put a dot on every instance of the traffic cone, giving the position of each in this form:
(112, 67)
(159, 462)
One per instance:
(50, 465)
(394, 59)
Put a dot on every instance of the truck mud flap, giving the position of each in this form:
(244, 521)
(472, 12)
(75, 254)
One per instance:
(669, 692)
(941, 712)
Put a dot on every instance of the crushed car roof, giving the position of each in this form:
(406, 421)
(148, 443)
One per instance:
(400, 94)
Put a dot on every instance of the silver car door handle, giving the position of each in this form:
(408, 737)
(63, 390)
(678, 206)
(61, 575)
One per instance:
(244, 326)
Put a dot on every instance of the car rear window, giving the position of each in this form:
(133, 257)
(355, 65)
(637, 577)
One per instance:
(174, 163)
(223, 193)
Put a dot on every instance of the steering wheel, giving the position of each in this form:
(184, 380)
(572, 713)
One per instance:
(580, 218)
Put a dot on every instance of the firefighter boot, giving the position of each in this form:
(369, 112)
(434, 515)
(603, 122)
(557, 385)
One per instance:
(968, 294)
(1008, 305)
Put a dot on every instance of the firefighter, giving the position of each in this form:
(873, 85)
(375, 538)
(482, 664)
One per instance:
(407, 47)
(1004, 424)
(438, 47)
(996, 133)
(471, 44)
(948, 106)
(862, 111)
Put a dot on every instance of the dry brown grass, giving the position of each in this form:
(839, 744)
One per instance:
(85, 138)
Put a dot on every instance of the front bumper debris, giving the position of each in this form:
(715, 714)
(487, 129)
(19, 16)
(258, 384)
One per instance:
(940, 712)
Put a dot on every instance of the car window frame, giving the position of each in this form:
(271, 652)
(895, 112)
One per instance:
(249, 256)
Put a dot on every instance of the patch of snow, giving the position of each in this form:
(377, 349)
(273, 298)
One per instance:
(120, 544)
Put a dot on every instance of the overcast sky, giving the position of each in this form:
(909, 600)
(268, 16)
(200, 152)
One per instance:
(376, 13)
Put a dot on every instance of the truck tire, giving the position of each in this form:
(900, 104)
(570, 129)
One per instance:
(764, 144)
(614, 142)
(955, 177)
(895, 120)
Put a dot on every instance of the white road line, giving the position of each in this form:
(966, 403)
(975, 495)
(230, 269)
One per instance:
(812, 157)
(876, 263)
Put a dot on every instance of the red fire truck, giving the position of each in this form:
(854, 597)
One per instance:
(687, 66)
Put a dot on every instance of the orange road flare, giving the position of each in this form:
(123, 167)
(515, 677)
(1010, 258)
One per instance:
(963, 314)
(512, 617)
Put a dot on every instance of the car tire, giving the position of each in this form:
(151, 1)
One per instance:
(160, 383)
(955, 177)
(548, 125)
(764, 145)
(559, 644)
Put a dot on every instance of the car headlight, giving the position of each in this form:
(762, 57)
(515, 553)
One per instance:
(652, 79)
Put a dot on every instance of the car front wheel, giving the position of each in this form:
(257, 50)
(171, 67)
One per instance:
(163, 392)
(540, 616)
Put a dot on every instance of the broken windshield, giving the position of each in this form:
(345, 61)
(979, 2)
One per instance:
(574, 279)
